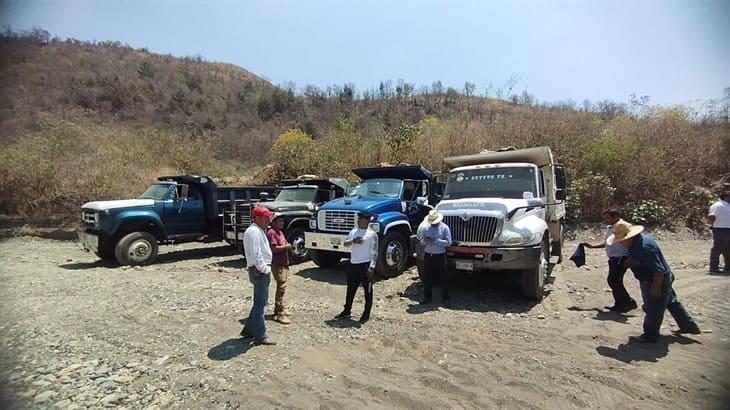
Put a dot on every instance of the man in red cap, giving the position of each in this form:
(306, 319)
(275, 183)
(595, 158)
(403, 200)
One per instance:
(258, 263)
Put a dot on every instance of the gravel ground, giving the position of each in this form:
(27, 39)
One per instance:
(81, 333)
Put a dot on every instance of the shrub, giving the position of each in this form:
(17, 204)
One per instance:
(293, 151)
(649, 213)
(588, 196)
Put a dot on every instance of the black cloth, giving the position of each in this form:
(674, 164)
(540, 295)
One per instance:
(434, 267)
(356, 275)
(579, 256)
(720, 246)
(616, 272)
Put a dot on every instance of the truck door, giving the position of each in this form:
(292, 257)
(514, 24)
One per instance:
(185, 214)
(411, 191)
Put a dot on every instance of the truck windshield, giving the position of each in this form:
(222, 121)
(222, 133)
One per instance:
(378, 187)
(158, 192)
(296, 195)
(507, 182)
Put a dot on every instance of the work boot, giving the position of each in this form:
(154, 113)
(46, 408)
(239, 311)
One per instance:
(284, 320)
(365, 317)
(345, 313)
(264, 342)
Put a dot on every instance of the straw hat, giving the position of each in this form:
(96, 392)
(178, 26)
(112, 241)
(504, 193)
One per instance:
(623, 230)
(434, 217)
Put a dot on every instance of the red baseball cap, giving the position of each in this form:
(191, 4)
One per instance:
(261, 211)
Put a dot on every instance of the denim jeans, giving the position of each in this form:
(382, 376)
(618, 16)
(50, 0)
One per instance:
(255, 323)
(655, 307)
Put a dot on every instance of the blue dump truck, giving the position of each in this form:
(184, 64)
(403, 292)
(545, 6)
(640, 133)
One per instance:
(176, 209)
(397, 196)
(295, 202)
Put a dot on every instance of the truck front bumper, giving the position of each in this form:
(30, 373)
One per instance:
(332, 242)
(480, 259)
(89, 242)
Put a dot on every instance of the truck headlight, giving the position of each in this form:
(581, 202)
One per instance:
(375, 226)
(518, 240)
(313, 223)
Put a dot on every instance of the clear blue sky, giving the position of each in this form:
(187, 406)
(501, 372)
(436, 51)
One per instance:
(674, 51)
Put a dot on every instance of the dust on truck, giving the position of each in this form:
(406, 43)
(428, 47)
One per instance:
(506, 211)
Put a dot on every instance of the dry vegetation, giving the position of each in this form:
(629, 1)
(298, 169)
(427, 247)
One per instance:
(82, 121)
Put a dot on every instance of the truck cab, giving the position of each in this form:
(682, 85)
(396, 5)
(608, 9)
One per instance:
(398, 197)
(505, 210)
(175, 209)
(296, 202)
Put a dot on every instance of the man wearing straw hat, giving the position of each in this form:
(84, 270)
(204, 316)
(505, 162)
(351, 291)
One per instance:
(434, 236)
(655, 280)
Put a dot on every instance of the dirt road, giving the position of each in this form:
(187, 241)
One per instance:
(80, 333)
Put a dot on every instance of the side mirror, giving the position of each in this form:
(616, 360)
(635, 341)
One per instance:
(184, 190)
(560, 194)
(560, 177)
(422, 200)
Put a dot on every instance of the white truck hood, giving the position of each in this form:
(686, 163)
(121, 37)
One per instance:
(122, 203)
(495, 207)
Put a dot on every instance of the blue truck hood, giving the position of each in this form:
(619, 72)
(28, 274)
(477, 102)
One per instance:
(372, 204)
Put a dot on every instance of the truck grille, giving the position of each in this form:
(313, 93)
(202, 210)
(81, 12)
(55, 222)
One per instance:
(338, 221)
(90, 218)
(477, 229)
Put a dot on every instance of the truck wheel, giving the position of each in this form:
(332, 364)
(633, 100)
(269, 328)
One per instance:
(136, 248)
(325, 259)
(533, 279)
(393, 255)
(298, 253)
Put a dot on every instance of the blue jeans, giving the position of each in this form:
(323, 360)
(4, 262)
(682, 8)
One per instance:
(655, 307)
(255, 323)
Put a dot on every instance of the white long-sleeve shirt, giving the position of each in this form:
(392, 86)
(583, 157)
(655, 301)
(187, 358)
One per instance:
(367, 251)
(256, 248)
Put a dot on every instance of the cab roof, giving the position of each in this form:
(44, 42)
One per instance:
(539, 156)
(416, 172)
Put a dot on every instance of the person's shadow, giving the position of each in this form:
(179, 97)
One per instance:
(635, 351)
(604, 315)
(230, 348)
(343, 323)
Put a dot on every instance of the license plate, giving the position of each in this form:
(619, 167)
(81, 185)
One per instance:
(335, 241)
(89, 242)
(464, 265)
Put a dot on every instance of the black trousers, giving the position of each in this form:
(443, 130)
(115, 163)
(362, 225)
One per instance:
(434, 266)
(720, 246)
(615, 280)
(356, 275)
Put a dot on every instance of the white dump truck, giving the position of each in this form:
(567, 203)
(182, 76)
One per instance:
(506, 211)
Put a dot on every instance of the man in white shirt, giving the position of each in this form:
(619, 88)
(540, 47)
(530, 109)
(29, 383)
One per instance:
(719, 219)
(617, 253)
(258, 263)
(364, 243)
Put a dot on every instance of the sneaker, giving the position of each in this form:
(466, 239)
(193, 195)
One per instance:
(264, 342)
(695, 331)
(284, 320)
(716, 270)
(365, 317)
(343, 314)
(627, 307)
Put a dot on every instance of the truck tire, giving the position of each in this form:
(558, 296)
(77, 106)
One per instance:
(393, 255)
(325, 259)
(136, 248)
(298, 253)
(533, 279)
